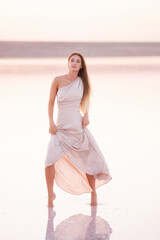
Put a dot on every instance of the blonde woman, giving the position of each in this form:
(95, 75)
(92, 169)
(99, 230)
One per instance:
(74, 159)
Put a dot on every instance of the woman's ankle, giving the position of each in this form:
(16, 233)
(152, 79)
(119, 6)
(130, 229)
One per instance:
(94, 193)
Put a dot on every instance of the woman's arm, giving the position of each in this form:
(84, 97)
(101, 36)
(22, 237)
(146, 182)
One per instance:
(85, 119)
(86, 113)
(52, 96)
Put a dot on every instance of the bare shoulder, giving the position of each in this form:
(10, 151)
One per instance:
(60, 80)
(57, 80)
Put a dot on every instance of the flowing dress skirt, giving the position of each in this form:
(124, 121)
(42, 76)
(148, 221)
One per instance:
(73, 150)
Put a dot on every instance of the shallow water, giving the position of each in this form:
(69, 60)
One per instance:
(124, 119)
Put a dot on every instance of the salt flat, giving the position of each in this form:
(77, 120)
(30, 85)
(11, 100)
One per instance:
(124, 119)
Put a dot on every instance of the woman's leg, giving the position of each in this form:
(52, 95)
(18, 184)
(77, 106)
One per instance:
(91, 181)
(50, 175)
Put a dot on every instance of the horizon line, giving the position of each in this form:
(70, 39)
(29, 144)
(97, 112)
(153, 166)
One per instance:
(61, 41)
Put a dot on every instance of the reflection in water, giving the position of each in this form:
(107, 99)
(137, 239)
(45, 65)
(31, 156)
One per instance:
(78, 227)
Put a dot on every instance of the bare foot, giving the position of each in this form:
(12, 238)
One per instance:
(93, 199)
(51, 198)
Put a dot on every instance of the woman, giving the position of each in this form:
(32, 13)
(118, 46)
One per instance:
(73, 157)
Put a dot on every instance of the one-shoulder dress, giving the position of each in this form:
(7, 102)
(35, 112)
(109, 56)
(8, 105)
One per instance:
(73, 150)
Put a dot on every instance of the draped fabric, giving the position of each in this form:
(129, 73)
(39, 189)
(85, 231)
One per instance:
(73, 150)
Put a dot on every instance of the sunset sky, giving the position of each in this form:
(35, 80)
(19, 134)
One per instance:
(103, 20)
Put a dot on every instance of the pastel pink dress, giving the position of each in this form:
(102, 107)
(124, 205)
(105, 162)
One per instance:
(73, 149)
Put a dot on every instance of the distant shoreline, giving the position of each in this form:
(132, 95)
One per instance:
(39, 49)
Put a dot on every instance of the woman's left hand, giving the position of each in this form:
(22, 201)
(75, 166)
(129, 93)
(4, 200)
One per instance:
(85, 120)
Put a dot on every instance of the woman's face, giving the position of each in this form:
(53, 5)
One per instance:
(74, 63)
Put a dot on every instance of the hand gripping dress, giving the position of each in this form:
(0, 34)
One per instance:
(73, 149)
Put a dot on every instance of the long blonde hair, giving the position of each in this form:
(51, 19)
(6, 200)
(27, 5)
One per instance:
(83, 73)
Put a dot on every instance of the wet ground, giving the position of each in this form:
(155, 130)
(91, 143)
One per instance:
(124, 119)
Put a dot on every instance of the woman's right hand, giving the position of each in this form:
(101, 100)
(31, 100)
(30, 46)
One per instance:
(52, 128)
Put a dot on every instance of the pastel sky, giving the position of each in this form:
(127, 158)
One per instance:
(84, 20)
